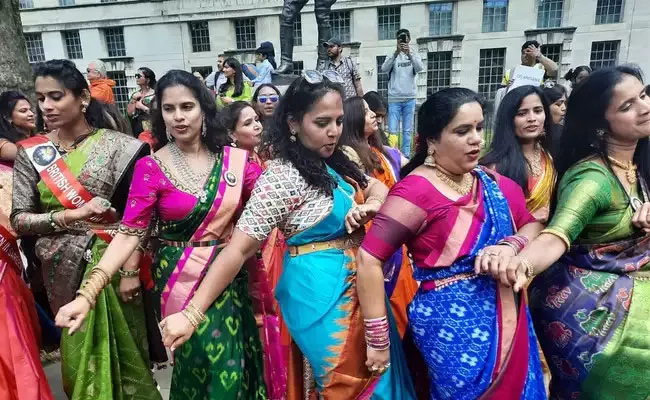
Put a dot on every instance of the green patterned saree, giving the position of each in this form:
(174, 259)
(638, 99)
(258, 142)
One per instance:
(223, 358)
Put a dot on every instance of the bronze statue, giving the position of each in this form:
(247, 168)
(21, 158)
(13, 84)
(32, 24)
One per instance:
(290, 11)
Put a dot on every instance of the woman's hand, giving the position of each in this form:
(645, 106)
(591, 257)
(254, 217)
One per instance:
(360, 215)
(129, 288)
(377, 361)
(95, 207)
(72, 315)
(496, 260)
(136, 96)
(641, 218)
(140, 106)
(176, 330)
(227, 100)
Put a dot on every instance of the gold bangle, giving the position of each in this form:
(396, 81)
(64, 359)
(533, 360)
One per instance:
(191, 317)
(129, 273)
(83, 293)
(101, 274)
(530, 269)
(193, 314)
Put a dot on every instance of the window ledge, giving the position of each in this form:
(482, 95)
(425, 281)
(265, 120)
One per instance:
(120, 58)
(562, 29)
(238, 51)
(354, 45)
(428, 39)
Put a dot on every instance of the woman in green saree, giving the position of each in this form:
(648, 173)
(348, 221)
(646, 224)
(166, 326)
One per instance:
(70, 188)
(197, 185)
(591, 302)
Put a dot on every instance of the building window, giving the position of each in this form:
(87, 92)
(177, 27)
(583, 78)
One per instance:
(24, 4)
(72, 43)
(438, 71)
(490, 71)
(204, 71)
(495, 15)
(549, 13)
(552, 51)
(340, 21)
(34, 44)
(604, 54)
(64, 3)
(388, 22)
(440, 18)
(120, 90)
(609, 11)
(245, 33)
(297, 31)
(382, 78)
(200, 34)
(298, 67)
(114, 38)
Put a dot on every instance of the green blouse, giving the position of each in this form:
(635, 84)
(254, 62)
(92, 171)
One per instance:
(246, 95)
(592, 206)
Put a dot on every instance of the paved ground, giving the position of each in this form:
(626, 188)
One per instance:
(53, 372)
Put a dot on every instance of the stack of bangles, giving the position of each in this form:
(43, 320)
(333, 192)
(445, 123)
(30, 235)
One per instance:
(57, 219)
(193, 314)
(515, 242)
(93, 285)
(377, 333)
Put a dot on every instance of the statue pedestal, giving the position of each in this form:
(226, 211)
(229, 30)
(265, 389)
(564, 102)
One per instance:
(282, 81)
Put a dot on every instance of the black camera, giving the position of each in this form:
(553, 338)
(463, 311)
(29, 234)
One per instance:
(403, 38)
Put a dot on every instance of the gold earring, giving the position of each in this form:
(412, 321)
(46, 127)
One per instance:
(83, 107)
(430, 161)
(293, 136)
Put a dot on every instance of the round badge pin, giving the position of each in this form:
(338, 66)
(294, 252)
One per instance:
(44, 155)
(231, 179)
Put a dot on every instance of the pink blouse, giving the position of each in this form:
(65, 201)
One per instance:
(153, 186)
(436, 230)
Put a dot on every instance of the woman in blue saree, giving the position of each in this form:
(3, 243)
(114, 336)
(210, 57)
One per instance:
(303, 193)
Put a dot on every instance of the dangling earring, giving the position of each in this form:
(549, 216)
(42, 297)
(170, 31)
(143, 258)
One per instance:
(204, 128)
(430, 161)
(600, 133)
(233, 143)
(293, 136)
(169, 136)
(83, 107)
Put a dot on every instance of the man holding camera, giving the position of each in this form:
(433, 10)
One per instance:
(402, 67)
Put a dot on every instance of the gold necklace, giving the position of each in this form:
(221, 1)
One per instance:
(465, 185)
(629, 168)
(535, 163)
(75, 143)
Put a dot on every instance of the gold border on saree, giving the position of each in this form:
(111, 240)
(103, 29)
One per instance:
(200, 243)
(345, 243)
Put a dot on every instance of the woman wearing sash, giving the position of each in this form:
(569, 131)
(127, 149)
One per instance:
(197, 185)
(475, 334)
(520, 149)
(590, 301)
(62, 185)
(303, 193)
(362, 143)
(245, 131)
(21, 375)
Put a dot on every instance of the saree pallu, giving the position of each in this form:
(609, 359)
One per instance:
(591, 311)
(21, 373)
(476, 336)
(222, 360)
(318, 299)
(541, 190)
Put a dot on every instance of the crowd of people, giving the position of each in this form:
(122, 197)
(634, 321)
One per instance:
(281, 246)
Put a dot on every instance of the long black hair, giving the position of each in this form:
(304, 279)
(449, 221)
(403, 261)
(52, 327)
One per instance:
(555, 93)
(435, 114)
(239, 78)
(298, 100)
(216, 137)
(149, 74)
(585, 122)
(8, 101)
(377, 103)
(66, 73)
(354, 125)
(505, 150)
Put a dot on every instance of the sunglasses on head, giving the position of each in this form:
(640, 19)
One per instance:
(88, 70)
(312, 76)
(138, 75)
(273, 98)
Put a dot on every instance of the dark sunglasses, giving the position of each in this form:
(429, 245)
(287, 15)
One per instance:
(137, 76)
(264, 99)
(88, 70)
(314, 77)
